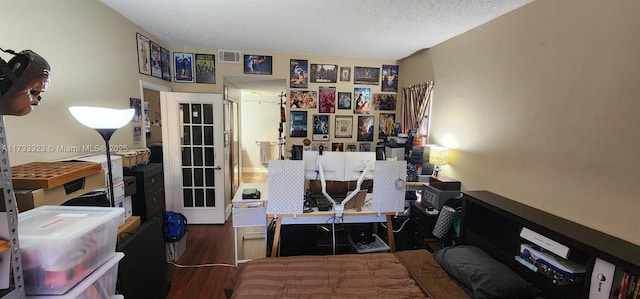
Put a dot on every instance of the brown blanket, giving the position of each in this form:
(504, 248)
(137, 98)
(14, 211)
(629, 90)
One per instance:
(405, 274)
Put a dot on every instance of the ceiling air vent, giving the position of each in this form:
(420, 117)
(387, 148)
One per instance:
(229, 56)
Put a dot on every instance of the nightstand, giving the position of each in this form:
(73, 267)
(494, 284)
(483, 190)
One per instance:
(423, 223)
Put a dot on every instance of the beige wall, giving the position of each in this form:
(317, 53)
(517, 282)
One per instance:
(92, 54)
(541, 106)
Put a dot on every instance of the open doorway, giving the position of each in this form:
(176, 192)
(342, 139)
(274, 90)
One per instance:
(152, 119)
(259, 122)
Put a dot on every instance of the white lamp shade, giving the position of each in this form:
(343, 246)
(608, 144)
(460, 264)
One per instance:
(102, 118)
(438, 155)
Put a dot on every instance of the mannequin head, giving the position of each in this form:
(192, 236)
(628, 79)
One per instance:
(22, 80)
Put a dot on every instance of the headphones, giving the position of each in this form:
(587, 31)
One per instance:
(22, 79)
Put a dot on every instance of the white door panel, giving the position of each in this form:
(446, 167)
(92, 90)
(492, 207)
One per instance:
(194, 152)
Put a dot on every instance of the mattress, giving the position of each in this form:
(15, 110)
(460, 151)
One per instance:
(404, 274)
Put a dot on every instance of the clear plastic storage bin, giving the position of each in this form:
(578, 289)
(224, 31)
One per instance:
(61, 245)
(99, 284)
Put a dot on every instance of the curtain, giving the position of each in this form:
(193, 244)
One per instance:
(415, 102)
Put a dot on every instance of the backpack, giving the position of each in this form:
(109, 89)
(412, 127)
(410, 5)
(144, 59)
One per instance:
(175, 226)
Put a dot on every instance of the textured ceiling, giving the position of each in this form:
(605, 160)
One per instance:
(390, 29)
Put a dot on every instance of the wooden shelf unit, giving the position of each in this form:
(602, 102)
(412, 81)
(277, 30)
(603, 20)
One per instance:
(495, 223)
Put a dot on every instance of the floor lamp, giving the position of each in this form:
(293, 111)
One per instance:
(106, 121)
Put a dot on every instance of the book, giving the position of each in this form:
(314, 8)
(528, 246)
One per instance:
(601, 279)
(545, 242)
(636, 289)
(616, 284)
(623, 286)
(632, 285)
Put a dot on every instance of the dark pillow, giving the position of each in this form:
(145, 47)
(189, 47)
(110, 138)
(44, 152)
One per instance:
(482, 275)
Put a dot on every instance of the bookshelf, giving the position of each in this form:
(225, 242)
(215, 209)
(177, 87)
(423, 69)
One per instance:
(494, 223)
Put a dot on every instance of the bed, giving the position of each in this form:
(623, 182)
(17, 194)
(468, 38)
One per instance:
(483, 264)
(403, 274)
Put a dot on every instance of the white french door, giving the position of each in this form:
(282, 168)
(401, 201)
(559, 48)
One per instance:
(194, 128)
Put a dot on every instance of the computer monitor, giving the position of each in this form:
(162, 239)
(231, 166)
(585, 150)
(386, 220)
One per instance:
(355, 164)
(332, 165)
(310, 165)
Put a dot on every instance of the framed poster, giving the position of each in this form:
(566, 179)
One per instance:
(137, 135)
(321, 127)
(362, 100)
(206, 68)
(325, 146)
(298, 124)
(350, 147)
(183, 66)
(384, 101)
(344, 126)
(156, 63)
(327, 99)
(144, 54)
(258, 64)
(386, 125)
(303, 99)
(337, 147)
(323, 73)
(390, 78)
(165, 59)
(344, 100)
(365, 127)
(136, 104)
(299, 73)
(366, 75)
(345, 73)
(364, 146)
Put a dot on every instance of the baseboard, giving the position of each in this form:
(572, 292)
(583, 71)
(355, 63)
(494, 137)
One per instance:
(255, 170)
(228, 212)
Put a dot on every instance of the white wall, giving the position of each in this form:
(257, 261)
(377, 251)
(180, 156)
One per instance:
(260, 118)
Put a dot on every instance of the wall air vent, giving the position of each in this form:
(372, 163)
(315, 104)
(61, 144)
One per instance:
(229, 56)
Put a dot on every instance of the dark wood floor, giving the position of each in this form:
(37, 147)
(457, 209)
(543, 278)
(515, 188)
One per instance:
(206, 244)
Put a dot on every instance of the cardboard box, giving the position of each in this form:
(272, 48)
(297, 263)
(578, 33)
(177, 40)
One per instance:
(118, 189)
(125, 203)
(128, 228)
(357, 201)
(176, 249)
(444, 183)
(29, 199)
(116, 166)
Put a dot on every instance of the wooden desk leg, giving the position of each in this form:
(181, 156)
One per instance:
(276, 238)
(392, 241)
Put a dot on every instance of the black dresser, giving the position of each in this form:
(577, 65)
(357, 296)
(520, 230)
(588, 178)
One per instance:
(148, 201)
(421, 224)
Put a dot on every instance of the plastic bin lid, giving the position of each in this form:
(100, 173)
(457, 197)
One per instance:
(60, 223)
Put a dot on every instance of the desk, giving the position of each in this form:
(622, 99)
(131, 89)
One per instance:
(245, 217)
(366, 215)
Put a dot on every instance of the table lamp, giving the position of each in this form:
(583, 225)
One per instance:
(106, 121)
(438, 155)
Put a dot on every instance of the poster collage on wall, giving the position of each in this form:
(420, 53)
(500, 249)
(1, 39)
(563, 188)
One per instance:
(156, 61)
(340, 114)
